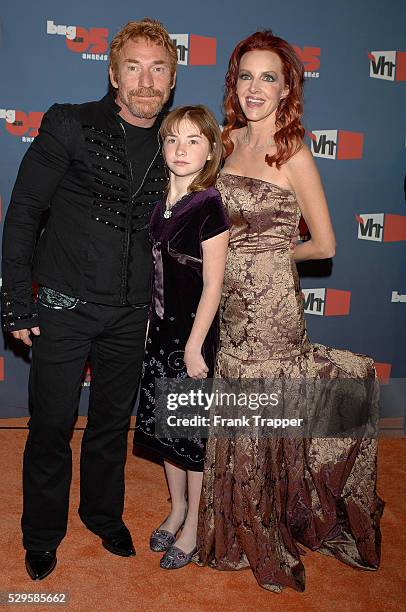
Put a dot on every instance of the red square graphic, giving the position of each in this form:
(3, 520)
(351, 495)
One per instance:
(394, 228)
(337, 302)
(383, 371)
(1, 368)
(202, 50)
(400, 66)
(350, 145)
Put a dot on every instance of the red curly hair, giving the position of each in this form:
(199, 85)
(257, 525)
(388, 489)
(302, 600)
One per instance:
(289, 130)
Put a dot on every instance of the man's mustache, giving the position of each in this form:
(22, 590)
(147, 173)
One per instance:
(146, 92)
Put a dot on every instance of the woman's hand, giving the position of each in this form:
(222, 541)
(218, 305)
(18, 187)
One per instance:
(195, 364)
(294, 241)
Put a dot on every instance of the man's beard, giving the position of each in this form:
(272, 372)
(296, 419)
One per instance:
(151, 105)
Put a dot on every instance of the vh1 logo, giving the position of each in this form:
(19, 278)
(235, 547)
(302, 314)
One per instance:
(387, 65)
(381, 227)
(80, 40)
(22, 124)
(194, 50)
(398, 297)
(326, 302)
(336, 144)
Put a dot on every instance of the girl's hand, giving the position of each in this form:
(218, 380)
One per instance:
(195, 364)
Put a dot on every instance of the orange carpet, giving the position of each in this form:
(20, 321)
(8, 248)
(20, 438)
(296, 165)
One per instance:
(97, 580)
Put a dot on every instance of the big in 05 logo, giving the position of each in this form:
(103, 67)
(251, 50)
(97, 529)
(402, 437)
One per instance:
(91, 43)
(310, 58)
(194, 50)
(387, 65)
(336, 144)
(22, 124)
(326, 302)
(381, 227)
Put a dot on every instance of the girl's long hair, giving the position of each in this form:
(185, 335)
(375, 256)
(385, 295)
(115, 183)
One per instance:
(207, 125)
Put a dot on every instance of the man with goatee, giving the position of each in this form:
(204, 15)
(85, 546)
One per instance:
(97, 170)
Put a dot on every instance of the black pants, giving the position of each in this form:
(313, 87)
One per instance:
(114, 338)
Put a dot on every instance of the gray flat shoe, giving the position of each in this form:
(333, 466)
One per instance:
(161, 540)
(175, 558)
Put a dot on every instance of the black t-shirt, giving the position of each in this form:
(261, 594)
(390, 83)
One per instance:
(142, 144)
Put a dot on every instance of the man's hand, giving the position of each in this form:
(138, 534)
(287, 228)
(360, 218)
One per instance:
(24, 334)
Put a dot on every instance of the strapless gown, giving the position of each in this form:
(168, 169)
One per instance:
(263, 497)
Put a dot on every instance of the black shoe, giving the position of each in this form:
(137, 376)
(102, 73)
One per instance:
(40, 563)
(120, 543)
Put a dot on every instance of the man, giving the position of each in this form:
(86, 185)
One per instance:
(98, 169)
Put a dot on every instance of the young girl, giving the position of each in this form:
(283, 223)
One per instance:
(189, 234)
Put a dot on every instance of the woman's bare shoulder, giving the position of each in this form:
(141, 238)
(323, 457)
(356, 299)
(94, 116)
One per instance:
(301, 159)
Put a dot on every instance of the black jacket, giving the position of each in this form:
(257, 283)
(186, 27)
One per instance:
(95, 243)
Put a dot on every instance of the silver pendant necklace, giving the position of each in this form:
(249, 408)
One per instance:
(169, 206)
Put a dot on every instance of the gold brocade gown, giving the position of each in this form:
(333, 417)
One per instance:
(262, 497)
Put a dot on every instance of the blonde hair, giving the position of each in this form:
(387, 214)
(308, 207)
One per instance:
(149, 29)
(205, 121)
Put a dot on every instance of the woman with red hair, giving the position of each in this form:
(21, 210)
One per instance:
(264, 494)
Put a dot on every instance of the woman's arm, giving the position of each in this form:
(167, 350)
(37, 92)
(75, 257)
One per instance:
(214, 263)
(304, 177)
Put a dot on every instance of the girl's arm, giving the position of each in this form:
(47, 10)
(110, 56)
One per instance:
(304, 177)
(214, 263)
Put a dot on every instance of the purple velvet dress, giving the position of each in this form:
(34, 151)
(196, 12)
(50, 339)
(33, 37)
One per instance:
(177, 288)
